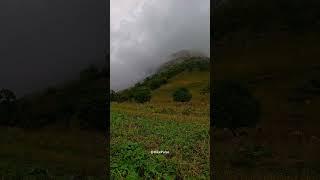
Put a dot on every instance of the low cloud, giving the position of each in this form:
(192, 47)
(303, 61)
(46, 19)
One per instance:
(145, 32)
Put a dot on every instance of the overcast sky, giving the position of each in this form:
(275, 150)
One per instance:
(44, 42)
(144, 32)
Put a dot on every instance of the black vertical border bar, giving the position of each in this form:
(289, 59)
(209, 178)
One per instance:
(212, 57)
(107, 58)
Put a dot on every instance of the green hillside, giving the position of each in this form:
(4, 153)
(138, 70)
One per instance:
(182, 128)
(195, 81)
(191, 72)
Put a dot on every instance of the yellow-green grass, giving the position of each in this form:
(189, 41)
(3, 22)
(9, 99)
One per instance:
(163, 107)
(194, 81)
(179, 112)
(61, 152)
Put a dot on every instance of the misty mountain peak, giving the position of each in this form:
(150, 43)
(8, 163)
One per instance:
(180, 56)
(186, 54)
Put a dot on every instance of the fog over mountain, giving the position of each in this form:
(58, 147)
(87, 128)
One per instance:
(144, 33)
(44, 42)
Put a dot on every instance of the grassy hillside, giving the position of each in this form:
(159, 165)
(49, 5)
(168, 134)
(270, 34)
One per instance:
(162, 124)
(195, 81)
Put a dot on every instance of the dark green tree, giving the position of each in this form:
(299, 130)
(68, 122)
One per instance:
(142, 94)
(182, 95)
(157, 82)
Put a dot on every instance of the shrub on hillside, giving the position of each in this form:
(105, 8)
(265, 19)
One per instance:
(126, 95)
(122, 98)
(203, 65)
(142, 94)
(182, 95)
(234, 106)
(157, 82)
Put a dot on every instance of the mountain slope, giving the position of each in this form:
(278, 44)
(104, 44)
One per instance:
(180, 57)
(195, 81)
(191, 72)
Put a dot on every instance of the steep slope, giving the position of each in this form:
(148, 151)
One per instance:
(195, 81)
(179, 127)
(191, 72)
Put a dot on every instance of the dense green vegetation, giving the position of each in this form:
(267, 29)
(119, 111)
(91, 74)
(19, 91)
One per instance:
(181, 95)
(134, 137)
(142, 94)
(160, 78)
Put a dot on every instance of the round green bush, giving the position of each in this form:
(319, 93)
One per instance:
(142, 95)
(157, 82)
(182, 95)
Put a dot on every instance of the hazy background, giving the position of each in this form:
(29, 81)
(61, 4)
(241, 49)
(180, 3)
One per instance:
(44, 42)
(144, 32)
